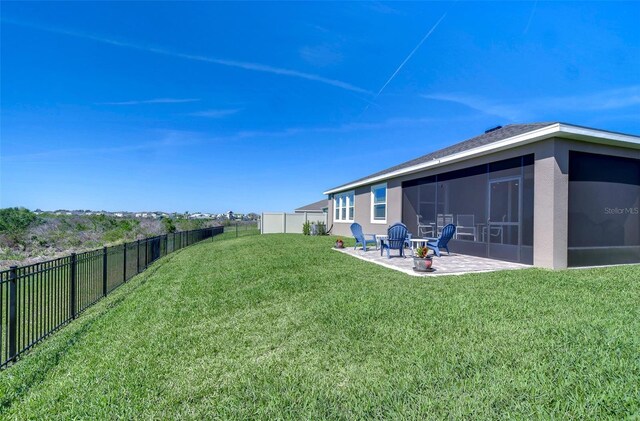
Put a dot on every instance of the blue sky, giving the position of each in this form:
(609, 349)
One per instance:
(208, 106)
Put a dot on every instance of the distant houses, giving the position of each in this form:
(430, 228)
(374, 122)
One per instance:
(154, 215)
(229, 215)
(202, 216)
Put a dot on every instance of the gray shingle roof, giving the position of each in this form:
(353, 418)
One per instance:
(484, 139)
(315, 206)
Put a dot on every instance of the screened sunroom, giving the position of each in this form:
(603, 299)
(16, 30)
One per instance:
(491, 206)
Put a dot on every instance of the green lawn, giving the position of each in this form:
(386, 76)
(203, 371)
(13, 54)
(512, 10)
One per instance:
(281, 326)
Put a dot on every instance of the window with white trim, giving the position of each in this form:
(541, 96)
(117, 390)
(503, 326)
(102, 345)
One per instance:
(379, 203)
(344, 206)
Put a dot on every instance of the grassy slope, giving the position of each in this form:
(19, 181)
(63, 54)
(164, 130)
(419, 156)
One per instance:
(282, 326)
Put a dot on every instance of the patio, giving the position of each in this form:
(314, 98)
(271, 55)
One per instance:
(453, 264)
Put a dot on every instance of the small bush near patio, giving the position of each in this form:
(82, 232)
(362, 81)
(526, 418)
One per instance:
(281, 326)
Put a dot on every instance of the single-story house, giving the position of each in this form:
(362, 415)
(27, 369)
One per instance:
(553, 195)
(316, 207)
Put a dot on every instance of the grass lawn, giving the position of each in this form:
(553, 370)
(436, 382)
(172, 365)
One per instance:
(281, 326)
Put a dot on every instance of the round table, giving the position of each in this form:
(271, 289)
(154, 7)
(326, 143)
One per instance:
(419, 242)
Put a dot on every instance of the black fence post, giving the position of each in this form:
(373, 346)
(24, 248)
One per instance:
(13, 311)
(124, 262)
(73, 276)
(104, 271)
(138, 260)
(146, 253)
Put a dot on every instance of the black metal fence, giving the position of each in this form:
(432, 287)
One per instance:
(38, 299)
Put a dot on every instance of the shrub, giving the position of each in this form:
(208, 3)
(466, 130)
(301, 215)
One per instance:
(184, 224)
(306, 228)
(14, 223)
(322, 228)
(114, 235)
(168, 225)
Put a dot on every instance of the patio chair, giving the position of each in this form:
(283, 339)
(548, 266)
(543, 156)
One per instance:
(466, 227)
(442, 220)
(442, 242)
(424, 229)
(396, 240)
(356, 230)
(496, 231)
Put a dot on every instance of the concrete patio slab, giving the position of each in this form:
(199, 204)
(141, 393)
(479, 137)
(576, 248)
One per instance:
(453, 264)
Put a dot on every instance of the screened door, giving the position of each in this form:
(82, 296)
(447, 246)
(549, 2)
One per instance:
(503, 229)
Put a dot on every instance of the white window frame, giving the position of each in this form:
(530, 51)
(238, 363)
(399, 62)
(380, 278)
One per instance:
(386, 207)
(343, 201)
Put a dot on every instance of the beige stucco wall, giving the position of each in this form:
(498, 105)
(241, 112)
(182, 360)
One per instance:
(363, 210)
(551, 192)
(550, 204)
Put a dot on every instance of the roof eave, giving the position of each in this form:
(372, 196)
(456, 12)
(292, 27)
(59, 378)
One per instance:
(567, 131)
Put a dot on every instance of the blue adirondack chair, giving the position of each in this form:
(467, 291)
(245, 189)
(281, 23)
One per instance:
(442, 242)
(356, 230)
(397, 238)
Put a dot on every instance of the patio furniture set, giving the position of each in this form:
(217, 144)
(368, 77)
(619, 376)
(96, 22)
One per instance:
(466, 228)
(398, 238)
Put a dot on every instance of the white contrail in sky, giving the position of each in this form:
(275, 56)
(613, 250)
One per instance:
(257, 67)
(533, 10)
(151, 101)
(410, 55)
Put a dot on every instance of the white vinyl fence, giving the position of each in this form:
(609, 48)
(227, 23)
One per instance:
(281, 222)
